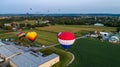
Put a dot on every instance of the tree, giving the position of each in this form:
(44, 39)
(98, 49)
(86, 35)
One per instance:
(1, 25)
(22, 25)
(99, 37)
(118, 29)
(8, 27)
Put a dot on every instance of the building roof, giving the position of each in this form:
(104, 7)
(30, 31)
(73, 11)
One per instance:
(1, 43)
(9, 50)
(98, 24)
(31, 59)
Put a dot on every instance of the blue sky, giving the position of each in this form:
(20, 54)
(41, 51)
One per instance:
(59, 6)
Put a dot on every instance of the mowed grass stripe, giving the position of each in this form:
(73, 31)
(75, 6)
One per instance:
(91, 27)
(58, 28)
(94, 53)
(45, 38)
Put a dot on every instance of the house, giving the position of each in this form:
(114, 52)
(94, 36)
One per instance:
(31, 59)
(98, 24)
(115, 38)
(9, 51)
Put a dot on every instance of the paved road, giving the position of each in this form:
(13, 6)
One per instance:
(38, 48)
(26, 49)
(73, 57)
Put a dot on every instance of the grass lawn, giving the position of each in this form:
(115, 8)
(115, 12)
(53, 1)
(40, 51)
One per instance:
(79, 30)
(91, 27)
(44, 38)
(58, 28)
(94, 53)
(32, 22)
(75, 28)
(65, 56)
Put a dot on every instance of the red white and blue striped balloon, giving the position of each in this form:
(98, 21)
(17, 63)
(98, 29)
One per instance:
(66, 39)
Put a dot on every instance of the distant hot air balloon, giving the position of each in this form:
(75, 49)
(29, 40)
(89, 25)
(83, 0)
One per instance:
(31, 36)
(66, 39)
(21, 35)
(30, 8)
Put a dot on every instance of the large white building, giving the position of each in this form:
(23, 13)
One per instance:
(98, 24)
(20, 58)
(9, 51)
(31, 59)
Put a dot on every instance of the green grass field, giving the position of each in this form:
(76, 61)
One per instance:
(85, 50)
(65, 56)
(94, 53)
(44, 38)
(76, 28)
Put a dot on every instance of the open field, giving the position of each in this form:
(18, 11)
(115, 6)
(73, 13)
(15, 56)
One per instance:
(92, 28)
(87, 53)
(48, 35)
(32, 22)
(75, 28)
(44, 38)
(94, 53)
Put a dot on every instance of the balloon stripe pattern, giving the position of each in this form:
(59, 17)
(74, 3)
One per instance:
(21, 35)
(66, 42)
(66, 39)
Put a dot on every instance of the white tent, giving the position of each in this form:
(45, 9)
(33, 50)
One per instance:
(115, 38)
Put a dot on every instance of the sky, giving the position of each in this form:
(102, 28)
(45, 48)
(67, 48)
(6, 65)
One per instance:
(59, 6)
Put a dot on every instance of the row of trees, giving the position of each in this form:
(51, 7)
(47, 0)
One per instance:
(118, 29)
(81, 20)
(25, 25)
(112, 21)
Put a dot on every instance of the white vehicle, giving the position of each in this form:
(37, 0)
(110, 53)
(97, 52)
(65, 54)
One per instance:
(94, 35)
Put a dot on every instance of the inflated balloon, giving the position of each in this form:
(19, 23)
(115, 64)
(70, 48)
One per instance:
(66, 39)
(21, 35)
(31, 36)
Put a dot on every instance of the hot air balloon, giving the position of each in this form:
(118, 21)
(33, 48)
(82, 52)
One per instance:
(21, 35)
(31, 36)
(30, 8)
(66, 39)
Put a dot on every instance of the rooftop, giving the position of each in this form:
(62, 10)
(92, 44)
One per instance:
(1, 43)
(31, 59)
(8, 50)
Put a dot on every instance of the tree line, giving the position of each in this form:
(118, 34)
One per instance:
(111, 21)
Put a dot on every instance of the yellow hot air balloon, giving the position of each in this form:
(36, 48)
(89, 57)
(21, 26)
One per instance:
(31, 36)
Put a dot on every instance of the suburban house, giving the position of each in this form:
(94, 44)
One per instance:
(31, 59)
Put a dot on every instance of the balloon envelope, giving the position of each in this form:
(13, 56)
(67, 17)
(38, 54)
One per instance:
(21, 35)
(31, 36)
(66, 39)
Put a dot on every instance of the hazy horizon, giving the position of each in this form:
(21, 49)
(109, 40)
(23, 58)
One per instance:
(59, 6)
